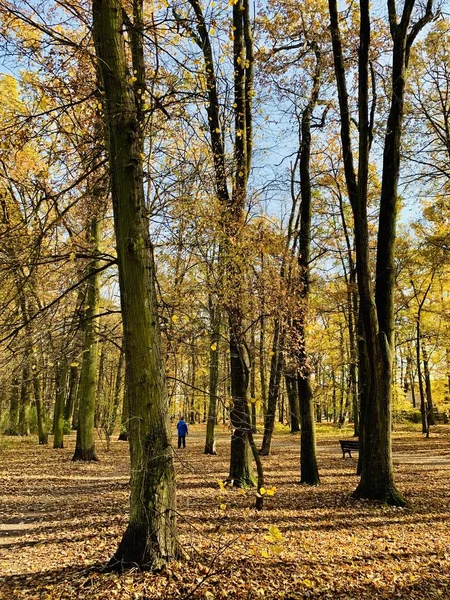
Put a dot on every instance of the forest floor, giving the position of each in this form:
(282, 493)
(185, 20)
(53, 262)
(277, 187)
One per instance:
(61, 521)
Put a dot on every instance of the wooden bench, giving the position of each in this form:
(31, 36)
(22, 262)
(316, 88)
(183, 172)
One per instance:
(349, 445)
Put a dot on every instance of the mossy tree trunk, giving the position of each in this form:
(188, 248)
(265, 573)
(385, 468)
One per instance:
(118, 394)
(85, 444)
(150, 539)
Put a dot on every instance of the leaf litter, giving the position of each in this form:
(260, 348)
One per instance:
(60, 522)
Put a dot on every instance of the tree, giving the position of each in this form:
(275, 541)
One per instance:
(150, 538)
(376, 306)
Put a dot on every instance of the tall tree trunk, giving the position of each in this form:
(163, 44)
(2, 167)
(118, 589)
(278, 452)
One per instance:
(241, 469)
(262, 358)
(214, 311)
(253, 378)
(241, 472)
(292, 394)
(101, 383)
(276, 370)
(124, 418)
(309, 472)
(150, 539)
(423, 409)
(428, 394)
(71, 393)
(377, 480)
(13, 423)
(25, 396)
(60, 396)
(192, 408)
(85, 444)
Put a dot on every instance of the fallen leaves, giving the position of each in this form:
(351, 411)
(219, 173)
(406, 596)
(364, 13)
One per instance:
(61, 521)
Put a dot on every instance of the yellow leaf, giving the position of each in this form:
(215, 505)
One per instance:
(223, 506)
(214, 347)
(271, 491)
(264, 553)
(212, 31)
(72, 256)
(74, 364)
(275, 533)
(221, 484)
(262, 491)
(132, 80)
(175, 318)
(308, 583)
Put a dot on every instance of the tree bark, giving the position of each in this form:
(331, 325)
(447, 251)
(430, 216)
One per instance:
(377, 480)
(60, 395)
(85, 444)
(309, 472)
(150, 539)
(13, 424)
(72, 393)
(214, 311)
(294, 406)
(276, 370)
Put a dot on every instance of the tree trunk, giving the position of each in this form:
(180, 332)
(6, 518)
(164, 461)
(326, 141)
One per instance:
(214, 311)
(276, 369)
(428, 394)
(13, 424)
(124, 418)
(262, 357)
(85, 445)
(377, 480)
(423, 409)
(150, 539)
(253, 379)
(294, 407)
(60, 395)
(241, 468)
(309, 472)
(25, 397)
(72, 393)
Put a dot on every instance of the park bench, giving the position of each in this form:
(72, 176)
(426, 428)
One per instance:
(349, 445)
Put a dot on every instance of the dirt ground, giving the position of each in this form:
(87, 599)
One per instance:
(61, 521)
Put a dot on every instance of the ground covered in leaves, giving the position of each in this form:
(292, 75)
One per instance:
(61, 521)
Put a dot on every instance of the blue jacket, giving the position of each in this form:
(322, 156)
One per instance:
(182, 428)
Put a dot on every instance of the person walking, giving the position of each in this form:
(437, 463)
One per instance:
(182, 432)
